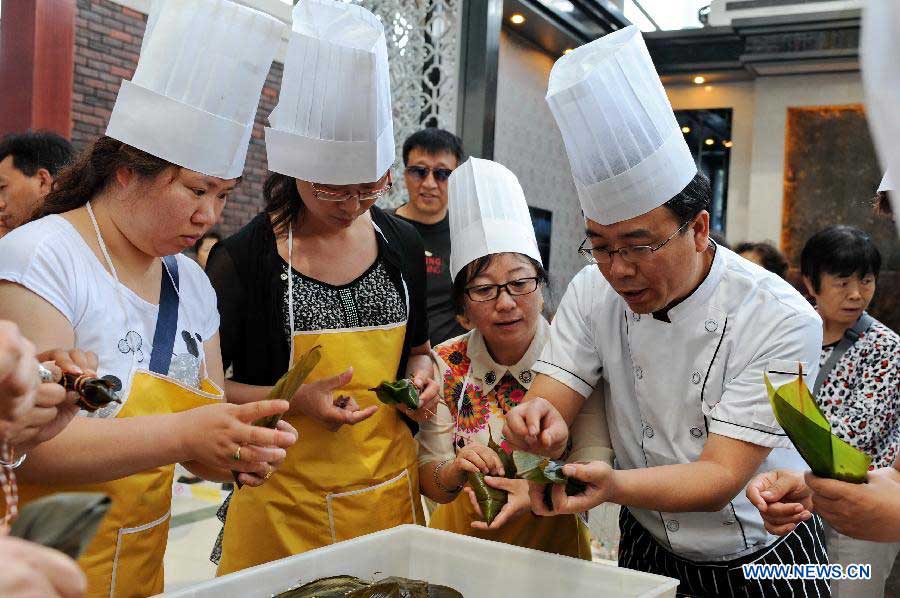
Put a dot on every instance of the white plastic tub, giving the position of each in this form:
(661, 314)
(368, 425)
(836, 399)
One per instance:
(476, 568)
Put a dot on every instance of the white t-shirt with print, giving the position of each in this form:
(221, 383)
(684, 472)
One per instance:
(51, 259)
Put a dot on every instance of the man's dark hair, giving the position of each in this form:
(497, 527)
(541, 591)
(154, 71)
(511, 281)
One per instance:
(839, 251)
(772, 259)
(432, 140)
(34, 150)
(692, 200)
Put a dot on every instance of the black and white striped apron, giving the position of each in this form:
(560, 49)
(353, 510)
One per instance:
(639, 550)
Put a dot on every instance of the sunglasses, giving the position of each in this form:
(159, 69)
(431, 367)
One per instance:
(421, 173)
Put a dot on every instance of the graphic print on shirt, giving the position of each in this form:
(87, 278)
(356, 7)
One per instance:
(185, 367)
(132, 343)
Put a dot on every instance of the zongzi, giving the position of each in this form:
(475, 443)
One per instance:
(401, 392)
(345, 586)
(542, 470)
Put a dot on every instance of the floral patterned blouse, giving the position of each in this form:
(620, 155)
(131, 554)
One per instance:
(477, 393)
(861, 395)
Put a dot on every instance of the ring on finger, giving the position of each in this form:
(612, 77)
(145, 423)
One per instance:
(237, 454)
(269, 472)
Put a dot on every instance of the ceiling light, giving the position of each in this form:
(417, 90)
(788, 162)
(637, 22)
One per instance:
(567, 50)
(517, 19)
(699, 80)
(709, 141)
(685, 130)
(728, 143)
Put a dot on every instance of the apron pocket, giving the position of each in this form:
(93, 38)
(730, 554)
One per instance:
(137, 566)
(372, 509)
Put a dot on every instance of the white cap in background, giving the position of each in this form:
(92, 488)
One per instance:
(627, 152)
(193, 98)
(488, 214)
(333, 123)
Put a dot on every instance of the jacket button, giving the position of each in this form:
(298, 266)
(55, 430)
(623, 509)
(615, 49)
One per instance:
(525, 376)
(672, 525)
(712, 325)
(695, 377)
(490, 377)
(283, 276)
(648, 431)
(639, 373)
(696, 432)
(636, 317)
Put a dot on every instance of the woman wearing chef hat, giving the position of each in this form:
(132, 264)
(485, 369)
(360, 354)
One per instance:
(102, 271)
(322, 266)
(498, 287)
(678, 331)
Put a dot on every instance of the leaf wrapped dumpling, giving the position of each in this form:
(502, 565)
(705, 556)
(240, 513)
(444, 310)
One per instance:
(401, 392)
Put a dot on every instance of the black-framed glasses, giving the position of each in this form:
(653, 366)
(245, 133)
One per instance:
(421, 173)
(632, 254)
(327, 195)
(489, 292)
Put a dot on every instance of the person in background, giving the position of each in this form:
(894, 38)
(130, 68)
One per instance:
(29, 162)
(498, 282)
(430, 155)
(858, 386)
(205, 245)
(764, 254)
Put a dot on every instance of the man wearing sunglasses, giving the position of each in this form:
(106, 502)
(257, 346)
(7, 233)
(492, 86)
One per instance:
(678, 332)
(430, 155)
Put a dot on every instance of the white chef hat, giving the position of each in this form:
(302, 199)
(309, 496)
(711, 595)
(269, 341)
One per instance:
(887, 184)
(626, 150)
(193, 98)
(879, 49)
(333, 123)
(488, 214)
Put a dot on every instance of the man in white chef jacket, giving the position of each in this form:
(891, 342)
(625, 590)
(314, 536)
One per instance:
(678, 331)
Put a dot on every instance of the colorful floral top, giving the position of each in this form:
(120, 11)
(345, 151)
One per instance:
(477, 393)
(861, 395)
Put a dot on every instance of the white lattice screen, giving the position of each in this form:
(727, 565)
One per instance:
(423, 43)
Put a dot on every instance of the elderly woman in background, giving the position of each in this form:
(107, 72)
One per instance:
(858, 391)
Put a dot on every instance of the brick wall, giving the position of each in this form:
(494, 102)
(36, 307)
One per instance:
(107, 46)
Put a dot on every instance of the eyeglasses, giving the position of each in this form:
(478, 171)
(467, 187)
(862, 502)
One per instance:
(421, 173)
(326, 195)
(489, 292)
(632, 254)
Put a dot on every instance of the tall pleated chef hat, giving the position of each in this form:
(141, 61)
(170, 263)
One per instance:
(626, 150)
(887, 184)
(333, 123)
(193, 98)
(879, 50)
(488, 214)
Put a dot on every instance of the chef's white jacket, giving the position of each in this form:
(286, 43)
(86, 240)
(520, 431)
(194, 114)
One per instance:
(669, 385)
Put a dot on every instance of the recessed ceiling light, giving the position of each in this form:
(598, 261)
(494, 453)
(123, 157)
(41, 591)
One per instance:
(685, 130)
(709, 141)
(728, 143)
(699, 80)
(567, 50)
(517, 19)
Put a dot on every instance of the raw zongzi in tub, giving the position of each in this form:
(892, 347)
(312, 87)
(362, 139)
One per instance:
(345, 586)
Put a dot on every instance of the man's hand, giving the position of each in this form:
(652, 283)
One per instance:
(536, 427)
(597, 475)
(317, 401)
(31, 571)
(862, 511)
(782, 498)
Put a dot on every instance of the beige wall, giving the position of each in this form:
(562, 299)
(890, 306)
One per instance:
(755, 187)
(528, 142)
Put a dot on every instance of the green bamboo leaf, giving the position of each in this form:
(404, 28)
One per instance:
(290, 382)
(800, 417)
(491, 500)
(401, 392)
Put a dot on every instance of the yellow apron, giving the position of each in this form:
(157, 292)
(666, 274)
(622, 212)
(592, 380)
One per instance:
(333, 486)
(125, 558)
(564, 534)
